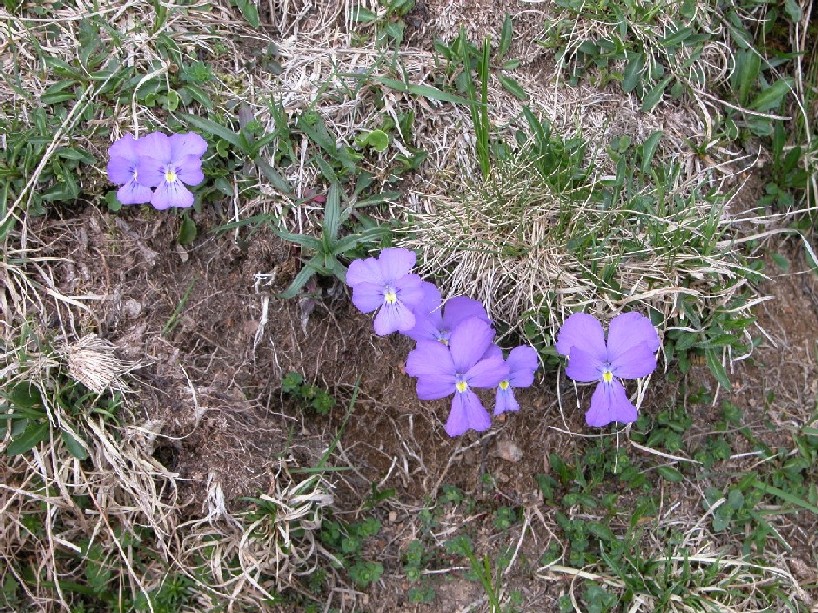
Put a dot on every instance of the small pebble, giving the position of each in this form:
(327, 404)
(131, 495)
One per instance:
(508, 451)
(131, 308)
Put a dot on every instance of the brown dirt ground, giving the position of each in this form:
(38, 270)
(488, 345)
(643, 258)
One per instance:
(210, 390)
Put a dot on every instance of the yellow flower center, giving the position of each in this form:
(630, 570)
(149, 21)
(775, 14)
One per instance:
(461, 386)
(390, 296)
(607, 376)
(504, 385)
(170, 175)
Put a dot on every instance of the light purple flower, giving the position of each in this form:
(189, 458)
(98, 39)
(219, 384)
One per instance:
(628, 354)
(456, 369)
(123, 159)
(435, 323)
(168, 163)
(522, 362)
(385, 283)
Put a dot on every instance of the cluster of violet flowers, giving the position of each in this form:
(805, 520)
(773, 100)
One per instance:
(455, 352)
(156, 168)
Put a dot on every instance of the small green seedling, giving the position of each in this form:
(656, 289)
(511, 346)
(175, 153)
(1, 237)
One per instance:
(325, 251)
(312, 396)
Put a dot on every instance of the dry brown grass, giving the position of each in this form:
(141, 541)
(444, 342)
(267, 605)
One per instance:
(246, 556)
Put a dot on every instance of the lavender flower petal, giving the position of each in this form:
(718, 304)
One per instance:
(430, 305)
(182, 145)
(505, 401)
(583, 366)
(467, 413)
(492, 352)
(583, 331)
(629, 330)
(433, 387)
(394, 317)
(151, 171)
(367, 296)
(134, 192)
(121, 170)
(461, 308)
(410, 290)
(364, 271)
(429, 358)
(171, 195)
(425, 329)
(609, 404)
(396, 262)
(487, 373)
(124, 147)
(469, 342)
(522, 362)
(189, 170)
(638, 361)
(155, 145)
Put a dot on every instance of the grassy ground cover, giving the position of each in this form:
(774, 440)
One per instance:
(194, 416)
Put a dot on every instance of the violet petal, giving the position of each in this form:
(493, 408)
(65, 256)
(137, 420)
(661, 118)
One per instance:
(583, 366)
(393, 318)
(505, 401)
(367, 296)
(638, 361)
(583, 331)
(467, 413)
(628, 330)
(609, 404)
(396, 262)
(522, 362)
(469, 342)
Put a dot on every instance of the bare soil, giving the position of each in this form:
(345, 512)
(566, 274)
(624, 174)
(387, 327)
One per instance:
(215, 355)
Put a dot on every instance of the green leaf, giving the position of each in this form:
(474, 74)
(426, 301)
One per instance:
(633, 71)
(785, 496)
(676, 38)
(649, 149)
(301, 279)
(793, 10)
(361, 14)
(505, 37)
(75, 447)
(249, 11)
(513, 87)
(745, 76)
(173, 100)
(332, 218)
(711, 357)
(336, 268)
(653, 97)
(211, 127)
(771, 97)
(187, 231)
(34, 434)
(306, 241)
(433, 93)
(668, 473)
(377, 139)
(25, 396)
(273, 176)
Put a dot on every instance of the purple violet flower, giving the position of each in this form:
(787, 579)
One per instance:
(522, 362)
(443, 370)
(628, 354)
(435, 323)
(385, 283)
(123, 159)
(168, 163)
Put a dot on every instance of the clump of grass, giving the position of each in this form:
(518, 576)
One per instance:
(545, 234)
